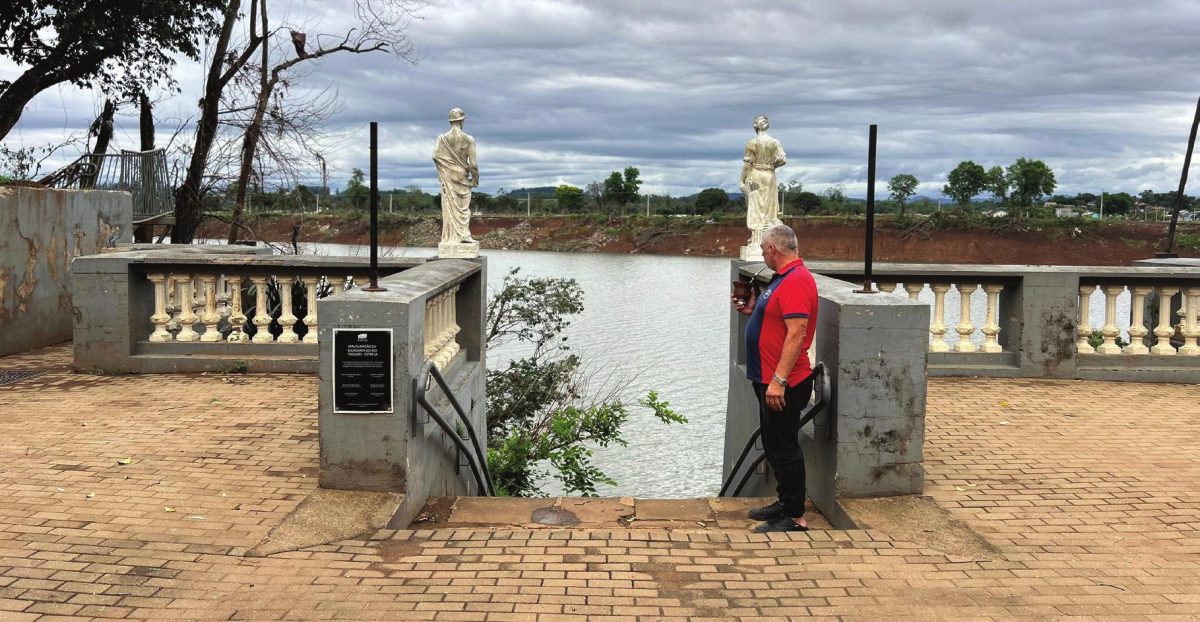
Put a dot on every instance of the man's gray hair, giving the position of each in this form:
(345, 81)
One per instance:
(782, 237)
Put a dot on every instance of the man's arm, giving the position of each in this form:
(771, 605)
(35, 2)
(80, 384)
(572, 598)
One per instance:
(797, 328)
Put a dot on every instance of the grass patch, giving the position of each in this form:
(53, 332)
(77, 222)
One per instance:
(233, 367)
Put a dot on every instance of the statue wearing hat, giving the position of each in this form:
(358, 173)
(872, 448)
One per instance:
(458, 173)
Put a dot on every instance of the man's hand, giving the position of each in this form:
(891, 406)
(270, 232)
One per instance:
(747, 307)
(774, 397)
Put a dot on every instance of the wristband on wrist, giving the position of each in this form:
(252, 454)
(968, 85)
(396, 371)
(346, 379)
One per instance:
(781, 381)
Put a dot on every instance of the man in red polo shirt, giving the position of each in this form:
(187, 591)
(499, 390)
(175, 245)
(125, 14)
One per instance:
(778, 336)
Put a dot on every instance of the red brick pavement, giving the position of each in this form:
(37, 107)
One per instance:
(1090, 490)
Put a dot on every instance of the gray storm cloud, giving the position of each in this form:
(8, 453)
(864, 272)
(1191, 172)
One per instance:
(568, 91)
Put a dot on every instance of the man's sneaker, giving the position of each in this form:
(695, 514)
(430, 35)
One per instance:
(783, 523)
(775, 510)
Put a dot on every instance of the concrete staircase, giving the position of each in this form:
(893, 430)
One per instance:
(715, 514)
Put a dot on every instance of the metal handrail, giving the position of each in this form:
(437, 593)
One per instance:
(476, 459)
(819, 403)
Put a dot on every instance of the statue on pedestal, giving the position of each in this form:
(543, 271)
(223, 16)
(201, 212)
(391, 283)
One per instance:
(458, 173)
(763, 155)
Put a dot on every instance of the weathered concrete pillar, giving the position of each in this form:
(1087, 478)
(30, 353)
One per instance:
(869, 440)
(1048, 303)
(404, 450)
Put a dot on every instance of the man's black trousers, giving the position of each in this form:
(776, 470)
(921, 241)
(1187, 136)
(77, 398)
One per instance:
(781, 443)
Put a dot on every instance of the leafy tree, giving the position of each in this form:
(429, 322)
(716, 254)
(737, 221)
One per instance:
(711, 200)
(632, 183)
(536, 409)
(966, 181)
(122, 47)
(570, 198)
(790, 190)
(997, 184)
(1030, 180)
(356, 192)
(614, 189)
(807, 201)
(901, 188)
(1118, 203)
(623, 189)
(835, 195)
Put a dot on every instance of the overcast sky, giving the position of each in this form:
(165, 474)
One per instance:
(558, 91)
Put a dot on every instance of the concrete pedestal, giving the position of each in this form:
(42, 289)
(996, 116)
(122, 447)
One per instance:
(458, 250)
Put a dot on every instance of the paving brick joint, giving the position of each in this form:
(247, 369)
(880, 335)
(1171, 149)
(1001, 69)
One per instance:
(136, 497)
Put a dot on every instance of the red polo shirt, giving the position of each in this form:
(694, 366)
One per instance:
(791, 293)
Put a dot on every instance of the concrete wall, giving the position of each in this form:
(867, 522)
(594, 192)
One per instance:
(405, 451)
(41, 231)
(869, 441)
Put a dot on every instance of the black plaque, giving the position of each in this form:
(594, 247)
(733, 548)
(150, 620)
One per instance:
(362, 370)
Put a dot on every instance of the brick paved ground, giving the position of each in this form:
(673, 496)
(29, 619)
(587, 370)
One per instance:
(1091, 491)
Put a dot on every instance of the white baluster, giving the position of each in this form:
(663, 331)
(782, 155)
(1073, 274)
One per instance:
(914, 289)
(187, 313)
(211, 319)
(991, 325)
(223, 296)
(262, 315)
(287, 319)
(237, 319)
(441, 327)
(1137, 317)
(310, 319)
(1164, 331)
(429, 321)
(1084, 331)
(1110, 330)
(965, 327)
(1191, 325)
(161, 318)
(452, 312)
(938, 328)
(443, 323)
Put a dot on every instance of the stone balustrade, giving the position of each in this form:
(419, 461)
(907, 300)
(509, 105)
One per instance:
(156, 308)
(237, 308)
(1163, 319)
(1089, 322)
(441, 327)
(973, 335)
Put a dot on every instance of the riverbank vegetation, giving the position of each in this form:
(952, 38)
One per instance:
(546, 409)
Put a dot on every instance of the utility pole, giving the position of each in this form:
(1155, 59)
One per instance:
(1102, 204)
(324, 183)
(390, 197)
(647, 206)
(528, 209)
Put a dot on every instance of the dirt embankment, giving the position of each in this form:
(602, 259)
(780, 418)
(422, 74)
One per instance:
(1115, 243)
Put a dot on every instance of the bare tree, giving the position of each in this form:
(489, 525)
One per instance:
(383, 25)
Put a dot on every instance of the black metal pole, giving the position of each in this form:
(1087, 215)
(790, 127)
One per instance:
(869, 255)
(374, 286)
(1187, 163)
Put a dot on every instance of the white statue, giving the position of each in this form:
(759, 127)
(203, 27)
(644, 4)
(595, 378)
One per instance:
(458, 173)
(763, 155)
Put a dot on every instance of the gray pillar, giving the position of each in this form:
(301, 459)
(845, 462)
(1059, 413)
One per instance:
(869, 440)
(405, 450)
